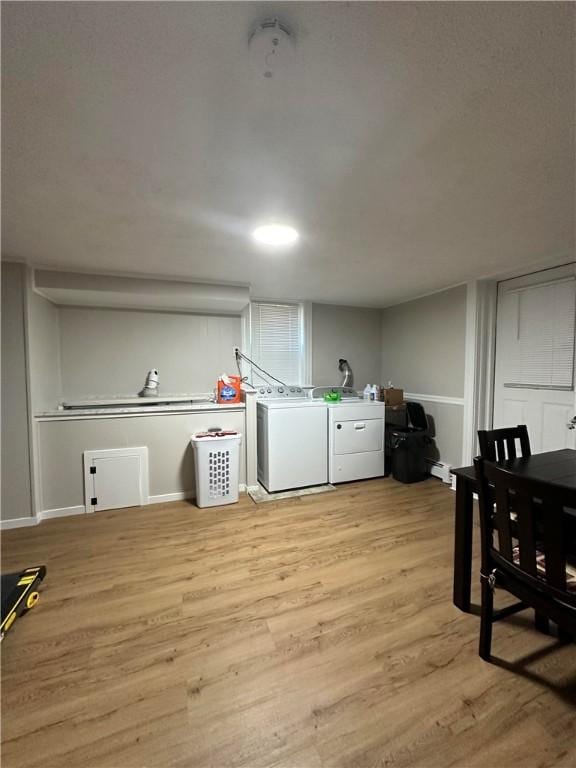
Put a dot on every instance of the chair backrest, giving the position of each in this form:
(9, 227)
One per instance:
(416, 415)
(500, 444)
(530, 524)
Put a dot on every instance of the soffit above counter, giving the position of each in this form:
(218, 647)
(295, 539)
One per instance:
(108, 291)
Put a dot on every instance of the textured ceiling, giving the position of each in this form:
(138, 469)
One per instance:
(414, 145)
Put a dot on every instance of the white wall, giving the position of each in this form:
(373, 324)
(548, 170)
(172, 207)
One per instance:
(86, 351)
(423, 343)
(446, 421)
(109, 352)
(348, 332)
(423, 352)
(16, 479)
(62, 443)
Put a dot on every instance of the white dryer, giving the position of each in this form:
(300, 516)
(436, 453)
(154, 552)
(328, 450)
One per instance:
(355, 440)
(292, 439)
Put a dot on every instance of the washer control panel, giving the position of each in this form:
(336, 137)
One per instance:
(275, 392)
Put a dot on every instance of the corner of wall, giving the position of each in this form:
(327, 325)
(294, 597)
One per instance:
(44, 345)
(17, 461)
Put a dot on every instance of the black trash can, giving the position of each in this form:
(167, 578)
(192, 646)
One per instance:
(396, 418)
(407, 446)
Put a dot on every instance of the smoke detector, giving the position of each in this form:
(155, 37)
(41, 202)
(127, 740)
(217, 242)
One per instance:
(271, 46)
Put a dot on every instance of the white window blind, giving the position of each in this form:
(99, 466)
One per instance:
(538, 335)
(277, 341)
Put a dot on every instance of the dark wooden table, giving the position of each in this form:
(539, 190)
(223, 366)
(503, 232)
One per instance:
(558, 467)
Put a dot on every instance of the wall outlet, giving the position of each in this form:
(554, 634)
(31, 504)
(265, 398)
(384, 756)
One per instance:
(236, 350)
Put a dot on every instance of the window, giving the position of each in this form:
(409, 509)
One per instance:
(276, 342)
(539, 335)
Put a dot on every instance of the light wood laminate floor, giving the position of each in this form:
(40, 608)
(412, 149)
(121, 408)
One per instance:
(317, 631)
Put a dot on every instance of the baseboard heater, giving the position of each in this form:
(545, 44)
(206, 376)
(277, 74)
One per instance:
(441, 470)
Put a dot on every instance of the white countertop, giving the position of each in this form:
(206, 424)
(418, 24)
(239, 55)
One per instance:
(120, 400)
(137, 410)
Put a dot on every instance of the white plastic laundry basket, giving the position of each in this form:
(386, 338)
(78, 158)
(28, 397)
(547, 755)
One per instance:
(217, 467)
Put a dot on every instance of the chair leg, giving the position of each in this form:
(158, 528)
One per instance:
(541, 623)
(486, 619)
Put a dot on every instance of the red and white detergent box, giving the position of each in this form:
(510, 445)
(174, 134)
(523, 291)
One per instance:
(229, 389)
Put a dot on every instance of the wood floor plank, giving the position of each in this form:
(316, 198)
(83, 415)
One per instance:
(314, 632)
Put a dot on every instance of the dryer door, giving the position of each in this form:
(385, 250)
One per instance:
(358, 436)
(356, 443)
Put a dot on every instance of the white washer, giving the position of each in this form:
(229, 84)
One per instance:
(355, 440)
(292, 439)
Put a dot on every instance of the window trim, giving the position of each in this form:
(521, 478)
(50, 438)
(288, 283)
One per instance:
(305, 308)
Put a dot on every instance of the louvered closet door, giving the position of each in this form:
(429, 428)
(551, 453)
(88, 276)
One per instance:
(534, 373)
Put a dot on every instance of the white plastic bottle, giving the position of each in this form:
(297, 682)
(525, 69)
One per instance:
(367, 392)
(374, 392)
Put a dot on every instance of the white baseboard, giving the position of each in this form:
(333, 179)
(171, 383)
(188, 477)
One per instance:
(47, 514)
(162, 498)
(18, 522)
(438, 469)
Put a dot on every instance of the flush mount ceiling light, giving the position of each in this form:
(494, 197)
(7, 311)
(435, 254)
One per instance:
(277, 235)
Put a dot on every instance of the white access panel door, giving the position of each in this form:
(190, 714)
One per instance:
(116, 478)
(297, 447)
(534, 371)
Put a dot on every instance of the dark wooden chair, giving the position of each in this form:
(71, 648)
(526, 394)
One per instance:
(500, 444)
(513, 556)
